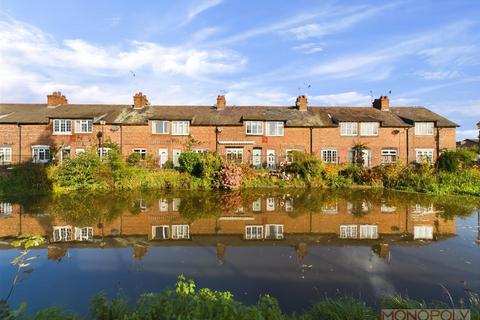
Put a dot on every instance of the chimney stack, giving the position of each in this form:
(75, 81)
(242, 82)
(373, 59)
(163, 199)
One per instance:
(140, 100)
(302, 103)
(382, 103)
(56, 99)
(221, 102)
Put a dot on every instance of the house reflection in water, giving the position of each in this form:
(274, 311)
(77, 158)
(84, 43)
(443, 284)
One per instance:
(265, 218)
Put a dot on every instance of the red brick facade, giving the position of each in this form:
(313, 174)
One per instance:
(225, 127)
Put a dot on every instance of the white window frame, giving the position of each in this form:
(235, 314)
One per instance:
(80, 123)
(141, 151)
(278, 128)
(180, 231)
(6, 209)
(424, 128)
(388, 153)
(277, 231)
(237, 152)
(180, 128)
(84, 234)
(165, 232)
(330, 155)
(330, 207)
(369, 129)
(349, 129)
(57, 126)
(163, 205)
(421, 154)
(257, 205)
(79, 151)
(64, 233)
(423, 232)
(348, 231)
(176, 204)
(254, 232)
(164, 125)
(254, 128)
(289, 205)
(270, 204)
(368, 231)
(288, 153)
(103, 152)
(43, 150)
(5, 154)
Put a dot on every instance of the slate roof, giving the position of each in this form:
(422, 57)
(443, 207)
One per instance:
(315, 116)
(418, 114)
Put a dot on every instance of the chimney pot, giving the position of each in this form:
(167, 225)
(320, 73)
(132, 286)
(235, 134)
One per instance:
(140, 100)
(302, 103)
(382, 103)
(56, 99)
(221, 102)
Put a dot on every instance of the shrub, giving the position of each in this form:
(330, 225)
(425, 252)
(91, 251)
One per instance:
(230, 176)
(134, 158)
(26, 178)
(466, 157)
(448, 161)
(189, 161)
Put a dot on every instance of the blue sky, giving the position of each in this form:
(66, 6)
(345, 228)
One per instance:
(257, 52)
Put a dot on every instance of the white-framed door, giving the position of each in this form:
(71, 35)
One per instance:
(366, 157)
(271, 159)
(257, 157)
(176, 156)
(162, 156)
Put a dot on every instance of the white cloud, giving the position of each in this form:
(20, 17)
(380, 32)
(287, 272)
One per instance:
(454, 55)
(34, 63)
(439, 75)
(345, 98)
(309, 48)
(336, 24)
(466, 134)
(200, 7)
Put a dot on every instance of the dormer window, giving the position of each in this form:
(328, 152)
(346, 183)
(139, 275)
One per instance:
(369, 128)
(62, 126)
(348, 128)
(275, 128)
(83, 126)
(254, 128)
(424, 128)
(180, 128)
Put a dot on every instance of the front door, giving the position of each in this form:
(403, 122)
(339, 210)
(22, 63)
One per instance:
(366, 157)
(162, 156)
(176, 156)
(257, 157)
(271, 159)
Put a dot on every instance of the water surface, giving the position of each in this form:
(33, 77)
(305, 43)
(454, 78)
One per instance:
(297, 246)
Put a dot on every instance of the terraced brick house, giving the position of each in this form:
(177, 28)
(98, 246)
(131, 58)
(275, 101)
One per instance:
(263, 136)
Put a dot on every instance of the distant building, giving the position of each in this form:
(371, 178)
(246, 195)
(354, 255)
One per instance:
(467, 143)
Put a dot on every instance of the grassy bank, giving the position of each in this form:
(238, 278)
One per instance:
(454, 174)
(186, 302)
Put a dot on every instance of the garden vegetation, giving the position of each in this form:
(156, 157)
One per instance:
(456, 172)
(186, 302)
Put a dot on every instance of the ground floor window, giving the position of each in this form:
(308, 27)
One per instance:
(257, 205)
(253, 232)
(160, 232)
(6, 209)
(163, 205)
(63, 233)
(5, 155)
(40, 154)
(348, 231)
(142, 152)
(103, 152)
(368, 231)
(79, 151)
(84, 234)
(234, 154)
(290, 154)
(423, 232)
(274, 231)
(389, 156)
(270, 204)
(330, 155)
(330, 207)
(181, 231)
(422, 155)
